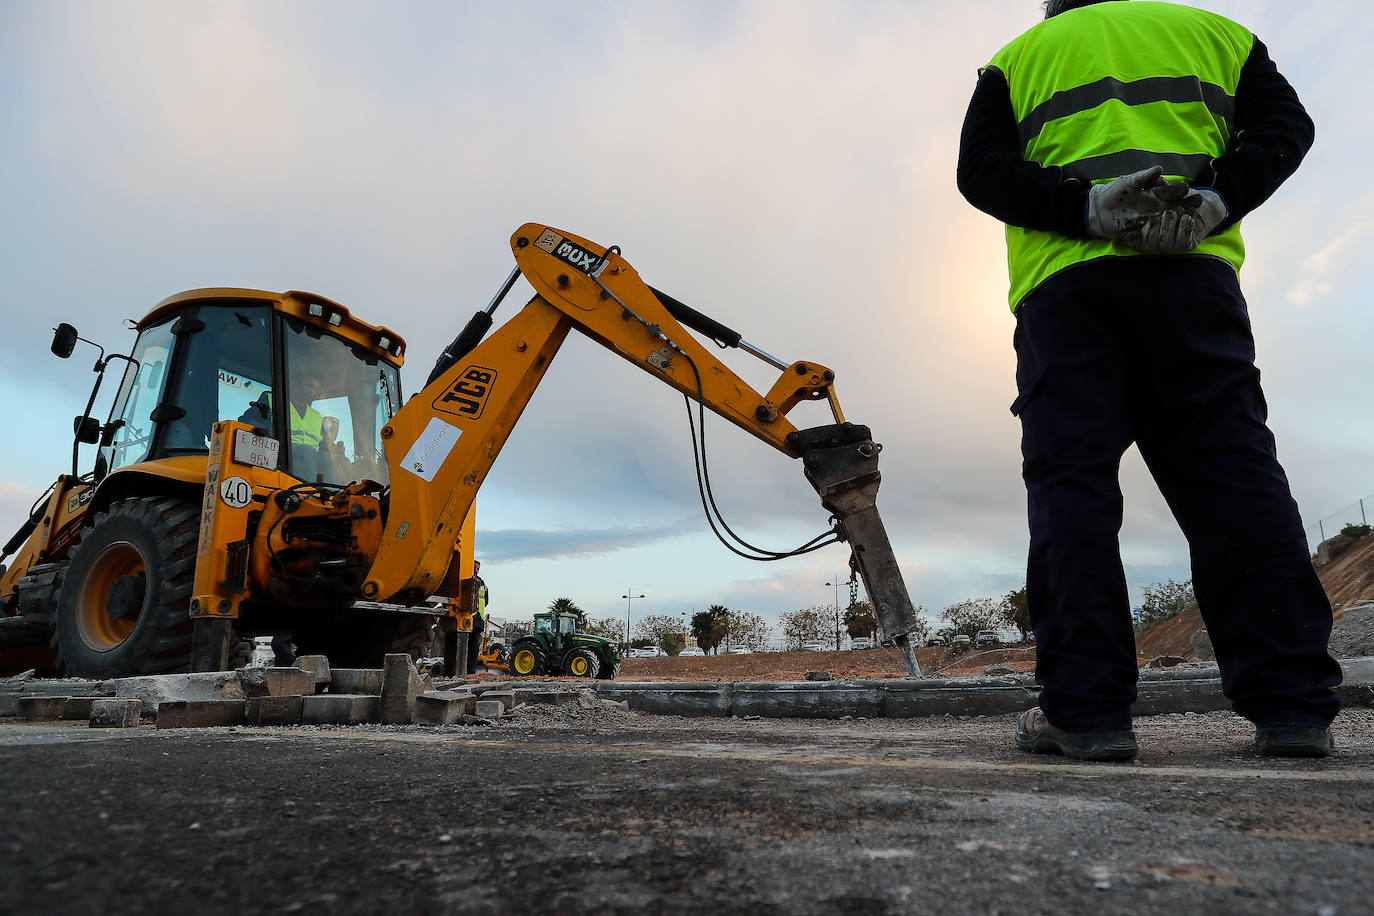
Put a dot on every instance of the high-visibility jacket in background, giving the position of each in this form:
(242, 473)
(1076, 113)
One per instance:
(1112, 88)
(308, 428)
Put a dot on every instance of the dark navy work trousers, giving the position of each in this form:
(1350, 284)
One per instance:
(1158, 351)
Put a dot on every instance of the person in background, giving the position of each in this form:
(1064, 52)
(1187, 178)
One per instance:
(477, 590)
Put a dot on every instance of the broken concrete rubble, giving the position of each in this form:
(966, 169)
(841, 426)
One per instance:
(274, 710)
(340, 708)
(444, 707)
(112, 712)
(401, 684)
(199, 713)
(156, 689)
(355, 680)
(276, 682)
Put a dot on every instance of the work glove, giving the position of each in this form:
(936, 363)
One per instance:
(1188, 216)
(1120, 206)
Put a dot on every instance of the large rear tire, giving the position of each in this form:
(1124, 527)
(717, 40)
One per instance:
(125, 601)
(527, 659)
(582, 663)
(609, 672)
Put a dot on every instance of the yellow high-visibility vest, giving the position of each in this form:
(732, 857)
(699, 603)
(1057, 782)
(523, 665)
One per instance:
(1113, 88)
(307, 429)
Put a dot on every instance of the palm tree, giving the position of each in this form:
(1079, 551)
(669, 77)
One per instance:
(566, 606)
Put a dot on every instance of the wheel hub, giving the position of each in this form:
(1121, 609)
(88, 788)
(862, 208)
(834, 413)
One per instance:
(125, 597)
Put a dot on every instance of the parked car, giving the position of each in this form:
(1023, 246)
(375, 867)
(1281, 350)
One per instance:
(649, 652)
(960, 642)
(739, 650)
(691, 652)
(936, 641)
(863, 642)
(813, 647)
(987, 638)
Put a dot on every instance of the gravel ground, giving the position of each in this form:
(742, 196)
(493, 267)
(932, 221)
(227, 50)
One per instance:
(1353, 635)
(590, 808)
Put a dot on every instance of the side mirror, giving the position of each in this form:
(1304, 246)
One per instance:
(63, 340)
(87, 430)
(107, 433)
(329, 430)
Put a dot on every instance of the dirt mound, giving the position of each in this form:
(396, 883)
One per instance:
(845, 664)
(1348, 580)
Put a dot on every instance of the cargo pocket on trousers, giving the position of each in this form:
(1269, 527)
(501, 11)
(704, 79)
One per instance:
(1026, 393)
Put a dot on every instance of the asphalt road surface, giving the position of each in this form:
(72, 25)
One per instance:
(644, 814)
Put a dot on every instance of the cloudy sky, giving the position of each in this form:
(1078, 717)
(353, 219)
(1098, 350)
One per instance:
(787, 167)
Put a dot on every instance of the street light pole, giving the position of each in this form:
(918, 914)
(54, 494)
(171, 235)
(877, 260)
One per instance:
(836, 583)
(628, 596)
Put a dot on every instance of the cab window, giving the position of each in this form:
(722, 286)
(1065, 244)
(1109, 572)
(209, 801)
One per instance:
(139, 392)
(227, 374)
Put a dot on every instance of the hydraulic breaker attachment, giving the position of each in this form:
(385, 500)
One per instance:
(841, 462)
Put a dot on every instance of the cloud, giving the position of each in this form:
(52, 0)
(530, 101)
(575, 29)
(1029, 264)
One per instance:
(1319, 267)
(530, 544)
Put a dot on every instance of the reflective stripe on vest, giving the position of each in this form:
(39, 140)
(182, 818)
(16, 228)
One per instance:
(1113, 88)
(308, 429)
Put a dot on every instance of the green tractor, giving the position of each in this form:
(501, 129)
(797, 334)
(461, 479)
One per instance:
(556, 647)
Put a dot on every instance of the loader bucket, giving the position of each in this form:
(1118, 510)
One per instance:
(841, 462)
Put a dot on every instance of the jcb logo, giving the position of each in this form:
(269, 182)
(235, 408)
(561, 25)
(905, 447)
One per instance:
(468, 395)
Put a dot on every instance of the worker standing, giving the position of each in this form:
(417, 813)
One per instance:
(476, 589)
(1122, 141)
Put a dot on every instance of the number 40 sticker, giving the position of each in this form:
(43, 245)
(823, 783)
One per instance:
(236, 492)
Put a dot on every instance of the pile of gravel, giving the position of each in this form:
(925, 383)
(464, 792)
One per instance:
(586, 710)
(1353, 635)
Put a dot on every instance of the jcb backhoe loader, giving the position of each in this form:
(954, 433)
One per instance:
(259, 472)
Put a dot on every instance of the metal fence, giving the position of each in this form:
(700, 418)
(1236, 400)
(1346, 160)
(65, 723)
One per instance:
(1357, 513)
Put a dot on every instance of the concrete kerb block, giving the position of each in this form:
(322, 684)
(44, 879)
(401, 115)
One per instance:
(276, 682)
(401, 684)
(156, 689)
(1155, 698)
(915, 698)
(489, 709)
(111, 712)
(677, 699)
(78, 708)
(535, 697)
(318, 665)
(38, 706)
(807, 700)
(199, 713)
(340, 709)
(444, 707)
(505, 697)
(353, 681)
(274, 710)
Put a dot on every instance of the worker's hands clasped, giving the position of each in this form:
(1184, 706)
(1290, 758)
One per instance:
(1150, 213)
(1188, 216)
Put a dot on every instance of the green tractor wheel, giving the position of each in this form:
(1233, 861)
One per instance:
(582, 663)
(527, 659)
(609, 672)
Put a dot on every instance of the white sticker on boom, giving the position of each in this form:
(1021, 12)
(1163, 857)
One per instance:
(429, 452)
(236, 492)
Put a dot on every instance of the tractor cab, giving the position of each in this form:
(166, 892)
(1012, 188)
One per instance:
(296, 366)
(556, 628)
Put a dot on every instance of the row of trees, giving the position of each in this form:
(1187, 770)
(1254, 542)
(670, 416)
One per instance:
(719, 626)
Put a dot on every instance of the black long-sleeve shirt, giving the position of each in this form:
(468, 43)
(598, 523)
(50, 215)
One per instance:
(1271, 133)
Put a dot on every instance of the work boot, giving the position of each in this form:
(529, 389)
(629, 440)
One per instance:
(1034, 733)
(1293, 741)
